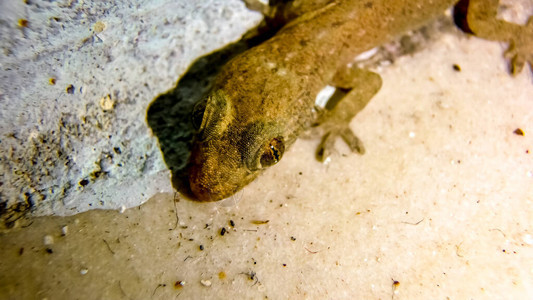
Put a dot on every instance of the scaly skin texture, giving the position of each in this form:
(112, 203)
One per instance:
(264, 98)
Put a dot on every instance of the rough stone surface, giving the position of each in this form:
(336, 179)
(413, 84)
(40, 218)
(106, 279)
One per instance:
(76, 80)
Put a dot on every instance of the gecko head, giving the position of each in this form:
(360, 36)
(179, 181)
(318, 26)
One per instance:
(228, 151)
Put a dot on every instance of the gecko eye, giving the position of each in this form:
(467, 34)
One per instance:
(198, 114)
(272, 152)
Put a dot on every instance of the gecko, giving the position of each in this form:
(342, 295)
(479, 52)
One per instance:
(264, 98)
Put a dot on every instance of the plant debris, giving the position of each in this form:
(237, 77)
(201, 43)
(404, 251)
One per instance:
(260, 222)
(519, 131)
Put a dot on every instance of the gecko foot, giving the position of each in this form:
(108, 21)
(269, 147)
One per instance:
(327, 145)
(520, 49)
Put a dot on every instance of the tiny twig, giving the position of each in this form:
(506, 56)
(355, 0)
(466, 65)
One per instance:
(158, 286)
(108, 247)
(252, 276)
(457, 248)
(25, 226)
(176, 210)
(395, 284)
(312, 252)
(414, 223)
(122, 290)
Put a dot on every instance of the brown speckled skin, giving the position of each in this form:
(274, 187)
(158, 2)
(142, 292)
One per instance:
(269, 91)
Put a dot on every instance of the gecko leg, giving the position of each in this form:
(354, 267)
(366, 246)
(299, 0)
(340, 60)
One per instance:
(478, 17)
(355, 88)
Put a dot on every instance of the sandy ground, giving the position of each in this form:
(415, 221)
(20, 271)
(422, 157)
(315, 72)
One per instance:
(440, 207)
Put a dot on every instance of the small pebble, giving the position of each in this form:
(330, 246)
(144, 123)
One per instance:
(48, 240)
(70, 89)
(519, 131)
(84, 271)
(106, 103)
(179, 284)
(64, 230)
(206, 282)
(23, 23)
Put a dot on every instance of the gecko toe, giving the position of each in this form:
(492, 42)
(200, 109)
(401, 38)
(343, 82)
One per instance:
(355, 144)
(327, 145)
(520, 49)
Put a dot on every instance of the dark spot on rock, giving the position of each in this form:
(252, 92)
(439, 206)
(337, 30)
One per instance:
(23, 23)
(29, 199)
(70, 89)
(96, 174)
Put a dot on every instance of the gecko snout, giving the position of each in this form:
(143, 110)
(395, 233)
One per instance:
(216, 175)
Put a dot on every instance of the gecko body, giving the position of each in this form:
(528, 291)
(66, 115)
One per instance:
(264, 98)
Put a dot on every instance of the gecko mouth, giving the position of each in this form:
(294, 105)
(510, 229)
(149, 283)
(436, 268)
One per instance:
(213, 178)
(203, 187)
(208, 189)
